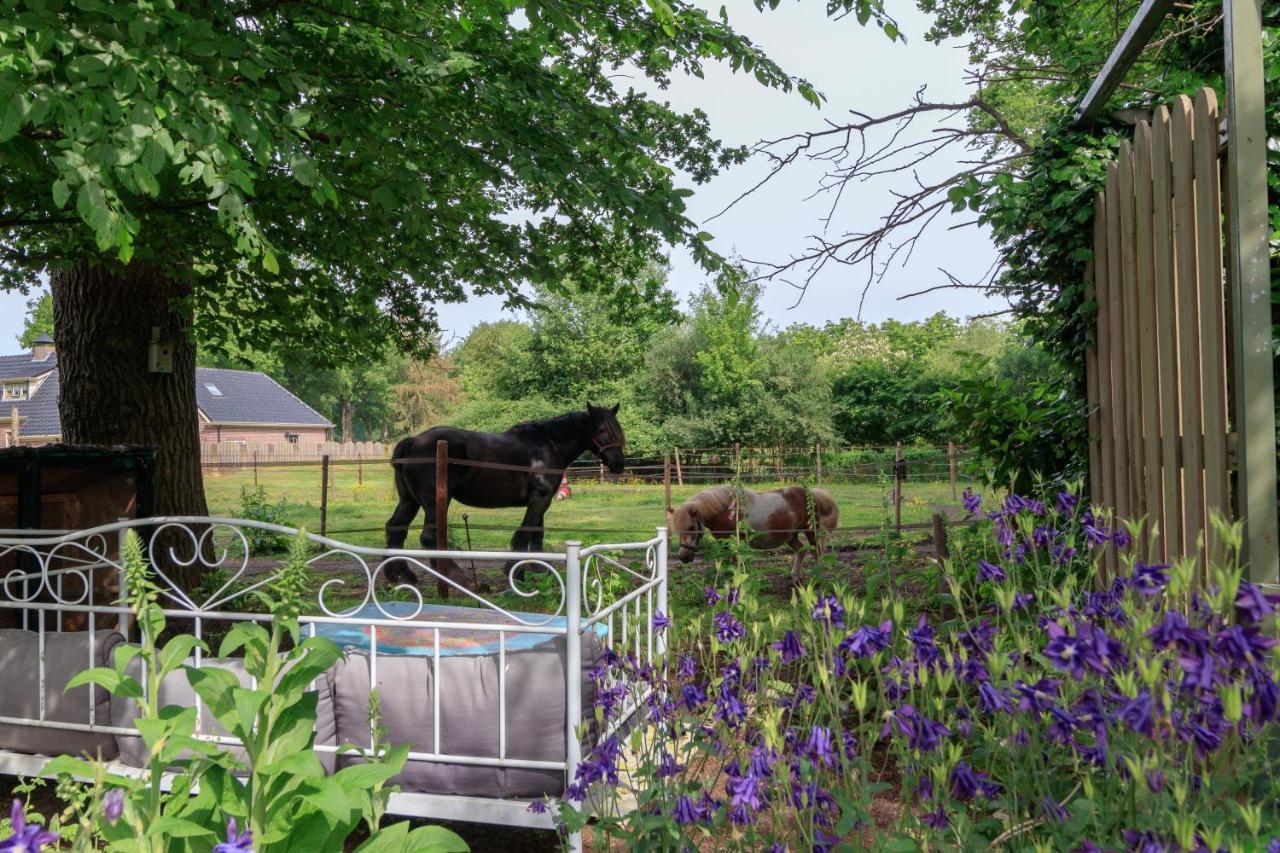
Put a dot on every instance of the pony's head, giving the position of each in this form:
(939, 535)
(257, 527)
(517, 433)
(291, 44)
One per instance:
(607, 439)
(687, 521)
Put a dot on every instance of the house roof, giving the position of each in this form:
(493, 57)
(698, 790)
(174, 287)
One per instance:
(25, 367)
(39, 412)
(245, 397)
(249, 397)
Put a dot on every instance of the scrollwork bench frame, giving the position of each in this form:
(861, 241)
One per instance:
(55, 575)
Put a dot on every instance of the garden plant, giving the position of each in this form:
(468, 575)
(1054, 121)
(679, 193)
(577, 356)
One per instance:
(1044, 706)
(270, 795)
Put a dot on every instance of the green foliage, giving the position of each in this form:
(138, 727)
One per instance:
(39, 320)
(277, 788)
(1019, 429)
(323, 176)
(254, 506)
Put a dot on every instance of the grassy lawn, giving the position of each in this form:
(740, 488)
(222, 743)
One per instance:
(361, 501)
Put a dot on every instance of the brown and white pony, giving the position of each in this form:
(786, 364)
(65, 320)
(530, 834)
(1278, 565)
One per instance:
(769, 519)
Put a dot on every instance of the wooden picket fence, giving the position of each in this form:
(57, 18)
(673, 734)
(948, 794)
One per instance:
(1158, 373)
(234, 454)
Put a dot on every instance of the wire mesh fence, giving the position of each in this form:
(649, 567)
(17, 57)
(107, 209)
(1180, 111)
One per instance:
(352, 499)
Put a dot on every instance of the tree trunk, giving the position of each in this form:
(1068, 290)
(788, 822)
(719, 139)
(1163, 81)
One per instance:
(104, 314)
(348, 415)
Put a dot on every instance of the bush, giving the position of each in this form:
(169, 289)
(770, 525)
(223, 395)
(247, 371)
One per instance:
(1043, 714)
(254, 506)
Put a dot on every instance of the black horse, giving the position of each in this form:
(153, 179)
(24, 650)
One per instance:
(537, 452)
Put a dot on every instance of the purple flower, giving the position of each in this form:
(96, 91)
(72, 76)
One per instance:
(991, 700)
(729, 707)
(1065, 650)
(241, 842)
(967, 783)
(921, 732)
(113, 805)
(29, 838)
(791, 647)
(1022, 599)
(971, 502)
(1155, 780)
(661, 621)
(744, 789)
(989, 571)
(867, 640)
(1095, 535)
(692, 696)
(712, 597)
(735, 595)
(538, 807)
(667, 766)
(1052, 810)
(728, 628)
(687, 668)
(829, 611)
(1174, 628)
(1146, 842)
(1273, 846)
(1067, 503)
(1121, 537)
(687, 811)
(1243, 646)
(818, 747)
(937, 819)
(1252, 605)
(1149, 579)
(1038, 697)
(1139, 714)
(922, 638)
(850, 745)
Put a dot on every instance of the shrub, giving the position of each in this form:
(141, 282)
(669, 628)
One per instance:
(254, 506)
(1041, 713)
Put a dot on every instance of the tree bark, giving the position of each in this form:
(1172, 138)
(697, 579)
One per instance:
(347, 418)
(104, 314)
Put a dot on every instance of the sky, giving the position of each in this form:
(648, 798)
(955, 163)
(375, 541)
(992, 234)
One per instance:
(854, 67)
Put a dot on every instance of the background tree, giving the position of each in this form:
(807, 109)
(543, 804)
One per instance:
(39, 320)
(240, 173)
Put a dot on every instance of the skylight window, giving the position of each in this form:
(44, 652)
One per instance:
(213, 389)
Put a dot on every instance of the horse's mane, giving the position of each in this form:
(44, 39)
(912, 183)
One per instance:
(570, 422)
(708, 503)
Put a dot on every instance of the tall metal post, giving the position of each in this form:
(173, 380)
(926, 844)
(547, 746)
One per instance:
(662, 591)
(572, 669)
(1250, 286)
(324, 494)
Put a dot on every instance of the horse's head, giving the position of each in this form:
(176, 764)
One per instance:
(607, 439)
(690, 534)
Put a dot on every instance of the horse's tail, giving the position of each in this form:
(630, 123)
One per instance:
(825, 509)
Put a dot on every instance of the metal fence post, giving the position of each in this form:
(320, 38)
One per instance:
(817, 458)
(899, 476)
(663, 604)
(951, 463)
(573, 670)
(324, 493)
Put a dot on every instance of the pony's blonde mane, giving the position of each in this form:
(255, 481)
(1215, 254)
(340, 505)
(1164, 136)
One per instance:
(708, 503)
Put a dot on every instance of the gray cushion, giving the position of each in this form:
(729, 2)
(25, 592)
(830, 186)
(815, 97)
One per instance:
(65, 655)
(175, 689)
(469, 709)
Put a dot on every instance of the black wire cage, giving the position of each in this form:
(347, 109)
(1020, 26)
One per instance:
(70, 487)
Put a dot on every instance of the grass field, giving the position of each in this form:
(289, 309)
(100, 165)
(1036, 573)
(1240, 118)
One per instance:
(361, 500)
